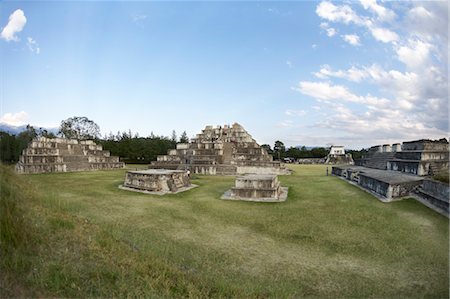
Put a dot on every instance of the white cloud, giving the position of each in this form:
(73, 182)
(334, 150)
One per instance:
(295, 112)
(138, 19)
(285, 124)
(33, 46)
(326, 91)
(352, 39)
(382, 12)
(343, 13)
(329, 30)
(346, 15)
(412, 99)
(415, 53)
(14, 119)
(383, 35)
(17, 21)
(289, 64)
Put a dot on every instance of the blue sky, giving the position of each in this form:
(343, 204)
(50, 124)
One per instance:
(353, 73)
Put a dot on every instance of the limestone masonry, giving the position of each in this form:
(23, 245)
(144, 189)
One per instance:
(158, 181)
(257, 187)
(65, 155)
(391, 172)
(220, 150)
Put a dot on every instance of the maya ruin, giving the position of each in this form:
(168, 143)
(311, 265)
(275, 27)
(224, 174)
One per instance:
(392, 172)
(65, 155)
(157, 181)
(227, 150)
(257, 187)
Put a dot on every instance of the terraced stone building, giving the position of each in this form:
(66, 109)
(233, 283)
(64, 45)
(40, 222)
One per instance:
(65, 155)
(221, 150)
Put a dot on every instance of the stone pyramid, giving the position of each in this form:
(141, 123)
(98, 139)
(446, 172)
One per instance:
(220, 150)
(65, 155)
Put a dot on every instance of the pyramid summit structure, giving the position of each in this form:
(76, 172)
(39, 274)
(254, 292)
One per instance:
(221, 150)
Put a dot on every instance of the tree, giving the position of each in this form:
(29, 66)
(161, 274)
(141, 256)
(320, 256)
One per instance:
(174, 136)
(279, 149)
(184, 137)
(79, 128)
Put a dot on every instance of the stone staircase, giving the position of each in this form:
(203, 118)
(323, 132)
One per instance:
(378, 160)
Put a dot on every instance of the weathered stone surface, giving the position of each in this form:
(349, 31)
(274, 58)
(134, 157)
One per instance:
(435, 195)
(420, 157)
(158, 181)
(386, 185)
(220, 150)
(256, 187)
(337, 155)
(389, 185)
(65, 155)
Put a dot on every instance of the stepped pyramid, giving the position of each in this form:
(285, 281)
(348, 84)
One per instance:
(220, 150)
(65, 155)
(421, 157)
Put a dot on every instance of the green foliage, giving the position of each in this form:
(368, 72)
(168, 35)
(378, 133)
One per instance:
(11, 146)
(279, 150)
(442, 176)
(137, 149)
(184, 137)
(13, 229)
(80, 128)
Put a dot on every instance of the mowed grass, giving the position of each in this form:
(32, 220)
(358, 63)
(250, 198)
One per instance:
(329, 239)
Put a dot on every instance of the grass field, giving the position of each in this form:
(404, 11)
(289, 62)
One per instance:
(85, 237)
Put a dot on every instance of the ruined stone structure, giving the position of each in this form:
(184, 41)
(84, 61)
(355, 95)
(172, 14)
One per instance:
(65, 155)
(220, 150)
(337, 155)
(256, 187)
(157, 181)
(422, 157)
(391, 172)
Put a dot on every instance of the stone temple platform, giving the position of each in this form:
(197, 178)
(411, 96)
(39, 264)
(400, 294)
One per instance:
(157, 181)
(384, 184)
(257, 187)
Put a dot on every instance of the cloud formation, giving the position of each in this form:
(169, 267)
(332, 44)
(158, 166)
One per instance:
(16, 22)
(33, 46)
(14, 119)
(411, 88)
(352, 39)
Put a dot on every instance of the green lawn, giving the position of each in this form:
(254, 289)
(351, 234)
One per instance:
(329, 239)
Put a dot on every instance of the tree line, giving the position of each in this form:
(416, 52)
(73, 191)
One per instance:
(132, 148)
(279, 152)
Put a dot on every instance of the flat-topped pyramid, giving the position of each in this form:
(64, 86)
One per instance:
(65, 155)
(220, 150)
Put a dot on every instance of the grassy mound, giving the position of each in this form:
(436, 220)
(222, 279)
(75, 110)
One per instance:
(329, 239)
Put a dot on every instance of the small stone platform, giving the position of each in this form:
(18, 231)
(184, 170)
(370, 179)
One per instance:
(157, 181)
(384, 184)
(257, 187)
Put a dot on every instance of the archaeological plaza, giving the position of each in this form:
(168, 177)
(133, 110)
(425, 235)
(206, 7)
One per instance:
(389, 172)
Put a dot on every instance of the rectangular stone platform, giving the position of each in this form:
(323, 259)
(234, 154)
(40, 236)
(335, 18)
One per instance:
(157, 181)
(256, 187)
(384, 184)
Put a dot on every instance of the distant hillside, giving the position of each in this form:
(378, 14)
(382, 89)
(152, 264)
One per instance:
(13, 130)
